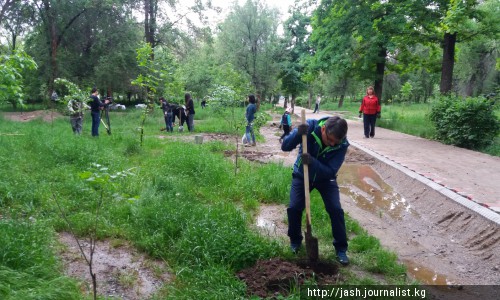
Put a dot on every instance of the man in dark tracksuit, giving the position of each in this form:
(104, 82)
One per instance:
(327, 145)
(96, 105)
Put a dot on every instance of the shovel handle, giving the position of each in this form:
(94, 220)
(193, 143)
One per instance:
(306, 175)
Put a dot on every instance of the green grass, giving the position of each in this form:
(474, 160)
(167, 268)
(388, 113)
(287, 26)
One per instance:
(176, 201)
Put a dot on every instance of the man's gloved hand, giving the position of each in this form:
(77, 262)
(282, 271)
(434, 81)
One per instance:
(360, 114)
(306, 158)
(302, 129)
(281, 126)
(378, 115)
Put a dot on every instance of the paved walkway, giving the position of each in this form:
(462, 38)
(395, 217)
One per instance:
(468, 177)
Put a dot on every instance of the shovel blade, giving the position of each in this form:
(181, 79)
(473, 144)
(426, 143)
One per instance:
(311, 247)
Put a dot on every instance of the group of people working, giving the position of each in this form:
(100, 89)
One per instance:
(185, 113)
(76, 109)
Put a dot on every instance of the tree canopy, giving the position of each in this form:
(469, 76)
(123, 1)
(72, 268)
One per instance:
(329, 47)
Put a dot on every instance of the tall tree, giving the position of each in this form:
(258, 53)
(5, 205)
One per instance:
(162, 16)
(248, 40)
(449, 22)
(5, 6)
(17, 19)
(356, 34)
(57, 17)
(455, 21)
(295, 46)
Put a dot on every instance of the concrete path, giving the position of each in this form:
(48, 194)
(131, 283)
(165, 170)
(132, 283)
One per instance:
(468, 177)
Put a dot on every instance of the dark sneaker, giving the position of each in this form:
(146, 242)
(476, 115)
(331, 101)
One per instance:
(295, 247)
(342, 258)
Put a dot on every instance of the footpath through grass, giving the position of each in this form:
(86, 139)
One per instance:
(176, 201)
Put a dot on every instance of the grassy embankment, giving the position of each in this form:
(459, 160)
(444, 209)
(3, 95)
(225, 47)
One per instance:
(411, 119)
(182, 205)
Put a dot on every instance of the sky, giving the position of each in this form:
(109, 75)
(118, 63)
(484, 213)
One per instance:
(282, 5)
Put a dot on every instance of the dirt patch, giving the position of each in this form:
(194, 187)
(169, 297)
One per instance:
(270, 221)
(121, 271)
(46, 115)
(275, 277)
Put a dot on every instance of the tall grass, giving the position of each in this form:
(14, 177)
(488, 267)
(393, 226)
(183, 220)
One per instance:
(28, 265)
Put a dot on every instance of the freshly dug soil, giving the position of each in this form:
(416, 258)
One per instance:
(274, 277)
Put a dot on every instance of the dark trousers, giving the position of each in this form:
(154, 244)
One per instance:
(168, 122)
(286, 131)
(190, 122)
(96, 119)
(329, 191)
(316, 108)
(369, 124)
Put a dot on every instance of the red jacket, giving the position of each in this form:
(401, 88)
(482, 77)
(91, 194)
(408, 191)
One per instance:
(370, 106)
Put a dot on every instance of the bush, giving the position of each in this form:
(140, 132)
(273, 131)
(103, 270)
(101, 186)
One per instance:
(469, 123)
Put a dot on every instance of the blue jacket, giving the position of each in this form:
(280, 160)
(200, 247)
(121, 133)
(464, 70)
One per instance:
(326, 161)
(250, 113)
(286, 119)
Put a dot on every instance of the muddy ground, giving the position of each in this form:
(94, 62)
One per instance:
(440, 242)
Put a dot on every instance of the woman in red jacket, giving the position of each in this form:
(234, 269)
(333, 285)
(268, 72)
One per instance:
(370, 108)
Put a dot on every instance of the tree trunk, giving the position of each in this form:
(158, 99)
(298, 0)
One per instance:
(53, 55)
(14, 41)
(448, 63)
(52, 36)
(379, 75)
(309, 101)
(341, 101)
(55, 37)
(469, 87)
(150, 9)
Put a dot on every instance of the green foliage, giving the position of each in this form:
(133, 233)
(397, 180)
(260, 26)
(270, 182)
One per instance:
(12, 68)
(469, 123)
(150, 78)
(70, 92)
(406, 90)
(225, 101)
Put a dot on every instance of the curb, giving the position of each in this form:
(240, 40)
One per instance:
(449, 193)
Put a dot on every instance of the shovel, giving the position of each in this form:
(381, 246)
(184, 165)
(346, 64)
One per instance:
(311, 242)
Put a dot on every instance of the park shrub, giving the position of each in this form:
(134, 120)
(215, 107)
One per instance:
(468, 123)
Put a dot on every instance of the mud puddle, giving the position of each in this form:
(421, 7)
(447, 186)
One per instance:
(371, 193)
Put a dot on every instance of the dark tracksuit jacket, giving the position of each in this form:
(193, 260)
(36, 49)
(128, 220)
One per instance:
(326, 162)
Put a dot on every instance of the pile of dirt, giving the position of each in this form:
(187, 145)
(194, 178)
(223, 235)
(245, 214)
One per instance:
(274, 277)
